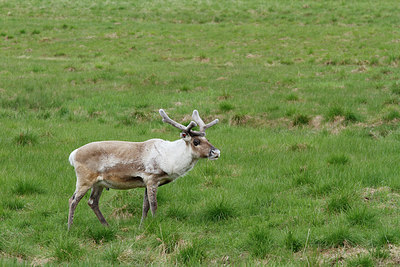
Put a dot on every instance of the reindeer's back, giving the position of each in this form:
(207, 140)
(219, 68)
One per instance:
(100, 156)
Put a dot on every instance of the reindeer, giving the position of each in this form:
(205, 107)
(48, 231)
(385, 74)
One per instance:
(148, 164)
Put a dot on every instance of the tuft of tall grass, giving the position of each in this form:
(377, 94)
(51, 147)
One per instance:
(14, 204)
(303, 179)
(225, 95)
(391, 115)
(292, 243)
(338, 237)
(184, 89)
(396, 88)
(26, 137)
(259, 242)
(168, 238)
(361, 216)
(299, 147)
(292, 97)
(2, 243)
(380, 253)
(177, 213)
(239, 119)
(361, 261)
(348, 115)
(193, 254)
(226, 106)
(321, 188)
(17, 248)
(67, 249)
(387, 236)
(112, 254)
(338, 159)
(301, 119)
(218, 211)
(63, 111)
(100, 234)
(334, 112)
(339, 203)
(27, 188)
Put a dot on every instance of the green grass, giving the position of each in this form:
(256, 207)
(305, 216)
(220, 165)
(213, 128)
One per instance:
(301, 120)
(259, 242)
(307, 96)
(26, 138)
(191, 255)
(362, 261)
(67, 249)
(27, 188)
(218, 211)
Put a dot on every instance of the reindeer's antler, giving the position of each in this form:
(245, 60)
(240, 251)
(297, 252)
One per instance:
(200, 122)
(186, 129)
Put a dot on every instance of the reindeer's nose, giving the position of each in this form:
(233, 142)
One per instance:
(214, 153)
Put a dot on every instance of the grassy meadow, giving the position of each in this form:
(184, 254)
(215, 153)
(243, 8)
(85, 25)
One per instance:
(307, 93)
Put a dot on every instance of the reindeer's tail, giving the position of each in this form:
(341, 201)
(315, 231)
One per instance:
(72, 158)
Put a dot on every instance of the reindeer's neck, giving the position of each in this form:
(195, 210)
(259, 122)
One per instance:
(177, 157)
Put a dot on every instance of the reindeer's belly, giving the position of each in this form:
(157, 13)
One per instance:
(117, 182)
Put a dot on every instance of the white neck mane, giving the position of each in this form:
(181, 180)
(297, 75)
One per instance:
(174, 158)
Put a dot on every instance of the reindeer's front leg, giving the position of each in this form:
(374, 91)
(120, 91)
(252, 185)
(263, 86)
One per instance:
(149, 201)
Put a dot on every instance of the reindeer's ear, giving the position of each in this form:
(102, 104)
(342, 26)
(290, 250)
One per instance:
(186, 136)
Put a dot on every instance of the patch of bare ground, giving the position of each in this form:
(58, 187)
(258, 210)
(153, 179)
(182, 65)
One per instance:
(127, 255)
(316, 122)
(121, 213)
(370, 124)
(164, 250)
(337, 125)
(202, 59)
(379, 128)
(222, 261)
(252, 56)
(369, 192)
(298, 147)
(258, 121)
(240, 119)
(384, 196)
(339, 256)
(41, 261)
(281, 122)
(261, 120)
(360, 69)
(394, 254)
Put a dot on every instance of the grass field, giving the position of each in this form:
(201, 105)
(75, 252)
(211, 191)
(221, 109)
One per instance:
(308, 96)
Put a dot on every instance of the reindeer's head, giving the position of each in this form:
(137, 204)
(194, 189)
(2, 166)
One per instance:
(200, 146)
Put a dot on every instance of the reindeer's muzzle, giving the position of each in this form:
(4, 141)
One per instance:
(214, 153)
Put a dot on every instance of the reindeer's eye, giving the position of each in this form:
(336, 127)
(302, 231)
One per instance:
(196, 142)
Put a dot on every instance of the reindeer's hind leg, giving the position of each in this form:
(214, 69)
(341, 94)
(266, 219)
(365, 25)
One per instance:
(84, 181)
(152, 196)
(146, 207)
(74, 200)
(94, 203)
